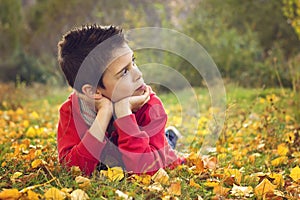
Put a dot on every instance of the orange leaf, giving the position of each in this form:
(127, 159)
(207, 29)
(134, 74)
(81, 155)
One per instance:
(175, 188)
(221, 191)
(194, 184)
(199, 166)
(9, 194)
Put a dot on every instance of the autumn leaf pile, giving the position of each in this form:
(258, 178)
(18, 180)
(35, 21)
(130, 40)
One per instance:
(257, 154)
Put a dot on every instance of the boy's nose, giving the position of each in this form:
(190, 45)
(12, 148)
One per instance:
(137, 73)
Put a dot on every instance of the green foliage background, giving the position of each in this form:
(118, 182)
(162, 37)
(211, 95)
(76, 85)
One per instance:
(252, 42)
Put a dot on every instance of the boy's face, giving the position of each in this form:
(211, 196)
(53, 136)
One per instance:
(122, 77)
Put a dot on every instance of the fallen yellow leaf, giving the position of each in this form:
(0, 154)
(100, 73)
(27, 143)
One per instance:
(295, 174)
(79, 195)
(9, 194)
(234, 173)
(32, 195)
(31, 132)
(37, 163)
(212, 183)
(34, 115)
(115, 173)
(16, 175)
(278, 161)
(143, 179)
(54, 193)
(282, 149)
(161, 176)
(221, 191)
(264, 187)
(278, 179)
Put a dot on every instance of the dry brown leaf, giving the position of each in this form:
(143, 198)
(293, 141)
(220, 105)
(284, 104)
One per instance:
(83, 183)
(242, 191)
(75, 171)
(157, 187)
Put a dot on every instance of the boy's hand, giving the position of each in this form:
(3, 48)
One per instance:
(136, 102)
(131, 104)
(102, 103)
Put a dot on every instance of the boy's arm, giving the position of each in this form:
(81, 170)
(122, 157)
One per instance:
(104, 114)
(145, 149)
(78, 146)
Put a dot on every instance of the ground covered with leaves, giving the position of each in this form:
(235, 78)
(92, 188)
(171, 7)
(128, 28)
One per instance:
(257, 154)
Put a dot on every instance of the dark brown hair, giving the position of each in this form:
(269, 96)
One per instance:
(83, 55)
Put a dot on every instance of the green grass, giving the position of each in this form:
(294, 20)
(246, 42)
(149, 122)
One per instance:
(257, 121)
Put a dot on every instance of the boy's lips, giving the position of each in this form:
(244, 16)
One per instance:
(142, 87)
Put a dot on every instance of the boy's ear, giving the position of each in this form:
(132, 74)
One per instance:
(91, 92)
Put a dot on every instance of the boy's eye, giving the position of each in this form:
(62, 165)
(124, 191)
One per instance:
(125, 72)
(133, 60)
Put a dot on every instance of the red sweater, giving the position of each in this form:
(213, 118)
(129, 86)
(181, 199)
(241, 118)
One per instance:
(140, 138)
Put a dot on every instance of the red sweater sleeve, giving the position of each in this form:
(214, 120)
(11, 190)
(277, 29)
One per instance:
(76, 146)
(142, 139)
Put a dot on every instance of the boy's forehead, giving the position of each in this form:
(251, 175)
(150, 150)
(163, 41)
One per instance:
(120, 51)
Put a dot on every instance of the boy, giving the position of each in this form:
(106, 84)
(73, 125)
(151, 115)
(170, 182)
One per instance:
(112, 118)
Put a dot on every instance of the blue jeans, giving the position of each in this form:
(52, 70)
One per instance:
(171, 138)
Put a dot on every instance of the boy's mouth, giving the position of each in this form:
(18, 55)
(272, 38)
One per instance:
(142, 87)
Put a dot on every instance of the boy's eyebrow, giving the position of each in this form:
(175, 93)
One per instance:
(119, 72)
